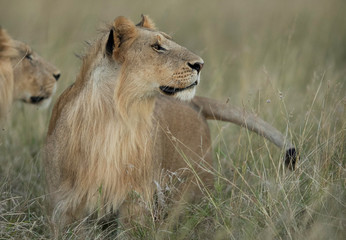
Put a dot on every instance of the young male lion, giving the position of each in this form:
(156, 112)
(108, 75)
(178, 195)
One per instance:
(120, 134)
(24, 75)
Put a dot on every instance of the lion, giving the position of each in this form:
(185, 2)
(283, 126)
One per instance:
(129, 124)
(24, 75)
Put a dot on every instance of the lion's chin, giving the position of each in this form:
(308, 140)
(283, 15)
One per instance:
(45, 103)
(186, 95)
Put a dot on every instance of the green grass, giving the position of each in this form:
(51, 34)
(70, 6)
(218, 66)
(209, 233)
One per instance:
(284, 60)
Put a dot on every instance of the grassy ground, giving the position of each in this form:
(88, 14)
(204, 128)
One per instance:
(284, 60)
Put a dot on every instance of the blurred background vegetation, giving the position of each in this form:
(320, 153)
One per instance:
(284, 60)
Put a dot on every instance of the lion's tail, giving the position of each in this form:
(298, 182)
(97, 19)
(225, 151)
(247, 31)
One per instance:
(215, 110)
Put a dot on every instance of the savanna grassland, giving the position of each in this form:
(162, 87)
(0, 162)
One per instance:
(283, 60)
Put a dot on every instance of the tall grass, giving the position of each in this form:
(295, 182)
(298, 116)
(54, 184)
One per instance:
(284, 60)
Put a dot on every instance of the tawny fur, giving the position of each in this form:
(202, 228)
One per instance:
(7, 51)
(23, 74)
(114, 132)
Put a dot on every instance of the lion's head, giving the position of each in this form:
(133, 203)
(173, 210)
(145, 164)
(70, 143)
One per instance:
(163, 65)
(34, 78)
(24, 74)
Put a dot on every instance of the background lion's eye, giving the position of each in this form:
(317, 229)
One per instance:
(158, 47)
(28, 56)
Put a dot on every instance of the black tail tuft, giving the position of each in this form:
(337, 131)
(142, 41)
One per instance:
(291, 158)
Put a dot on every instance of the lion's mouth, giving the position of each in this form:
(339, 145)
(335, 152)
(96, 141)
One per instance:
(172, 90)
(35, 99)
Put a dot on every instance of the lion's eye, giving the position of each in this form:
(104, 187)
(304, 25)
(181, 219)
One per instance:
(157, 47)
(28, 56)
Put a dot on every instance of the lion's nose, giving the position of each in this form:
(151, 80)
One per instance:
(196, 66)
(56, 76)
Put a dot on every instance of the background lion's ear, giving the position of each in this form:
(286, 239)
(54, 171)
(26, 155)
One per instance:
(146, 22)
(120, 37)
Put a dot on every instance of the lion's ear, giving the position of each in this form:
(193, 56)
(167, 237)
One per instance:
(120, 37)
(146, 22)
(110, 43)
